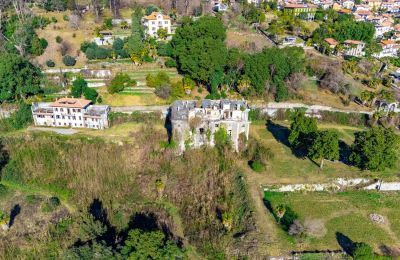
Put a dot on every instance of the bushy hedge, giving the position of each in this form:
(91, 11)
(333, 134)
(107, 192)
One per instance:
(50, 63)
(69, 61)
(18, 120)
(96, 52)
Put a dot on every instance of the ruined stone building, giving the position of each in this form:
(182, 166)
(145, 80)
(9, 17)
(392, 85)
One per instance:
(194, 123)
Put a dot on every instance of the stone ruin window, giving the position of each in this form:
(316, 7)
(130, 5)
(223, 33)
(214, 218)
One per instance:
(201, 130)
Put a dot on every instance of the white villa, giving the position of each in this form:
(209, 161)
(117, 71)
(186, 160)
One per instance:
(354, 48)
(194, 124)
(156, 21)
(70, 112)
(389, 49)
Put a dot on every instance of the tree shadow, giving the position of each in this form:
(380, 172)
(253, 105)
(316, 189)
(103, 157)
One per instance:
(345, 243)
(149, 222)
(98, 212)
(279, 132)
(168, 125)
(15, 211)
(4, 156)
(344, 152)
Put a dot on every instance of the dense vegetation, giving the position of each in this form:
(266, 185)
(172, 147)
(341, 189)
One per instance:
(181, 202)
(374, 149)
(19, 78)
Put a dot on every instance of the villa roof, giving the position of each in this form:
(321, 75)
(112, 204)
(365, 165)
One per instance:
(387, 42)
(353, 42)
(331, 41)
(71, 103)
(153, 16)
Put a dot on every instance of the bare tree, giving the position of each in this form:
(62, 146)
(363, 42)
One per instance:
(115, 5)
(74, 21)
(64, 47)
(96, 9)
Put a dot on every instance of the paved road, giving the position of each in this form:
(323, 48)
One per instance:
(130, 109)
(311, 108)
(271, 106)
(62, 131)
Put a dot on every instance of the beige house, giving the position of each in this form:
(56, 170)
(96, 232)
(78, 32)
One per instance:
(70, 112)
(156, 21)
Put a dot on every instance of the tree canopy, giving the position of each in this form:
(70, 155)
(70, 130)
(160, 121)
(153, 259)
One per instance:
(149, 245)
(19, 78)
(301, 130)
(375, 149)
(199, 48)
(273, 66)
(345, 28)
(325, 145)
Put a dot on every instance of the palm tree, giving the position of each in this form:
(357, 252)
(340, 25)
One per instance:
(280, 212)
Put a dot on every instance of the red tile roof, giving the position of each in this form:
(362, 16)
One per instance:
(153, 16)
(331, 41)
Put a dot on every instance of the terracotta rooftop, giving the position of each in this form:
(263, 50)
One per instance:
(344, 11)
(153, 16)
(386, 42)
(331, 41)
(300, 6)
(71, 103)
(353, 42)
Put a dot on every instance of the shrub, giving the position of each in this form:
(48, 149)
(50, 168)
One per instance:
(164, 49)
(69, 61)
(66, 18)
(54, 20)
(147, 58)
(38, 46)
(91, 94)
(170, 63)
(257, 166)
(157, 80)
(52, 204)
(363, 251)
(18, 120)
(58, 39)
(3, 190)
(163, 92)
(107, 24)
(40, 22)
(119, 82)
(50, 63)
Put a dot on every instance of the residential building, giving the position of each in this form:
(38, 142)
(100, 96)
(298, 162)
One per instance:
(70, 112)
(332, 44)
(298, 9)
(194, 123)
(354, 48)
(156, 21)
(389, 49)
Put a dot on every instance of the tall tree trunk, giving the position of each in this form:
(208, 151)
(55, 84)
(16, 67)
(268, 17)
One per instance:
(322, 163)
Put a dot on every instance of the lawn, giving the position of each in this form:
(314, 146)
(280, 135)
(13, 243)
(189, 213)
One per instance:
(286, 168)
(343, 214)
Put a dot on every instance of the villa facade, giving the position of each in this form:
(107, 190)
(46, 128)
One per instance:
(70, 112)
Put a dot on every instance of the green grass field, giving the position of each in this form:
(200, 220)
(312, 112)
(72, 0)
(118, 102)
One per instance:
(285, 167)
(346, 213)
